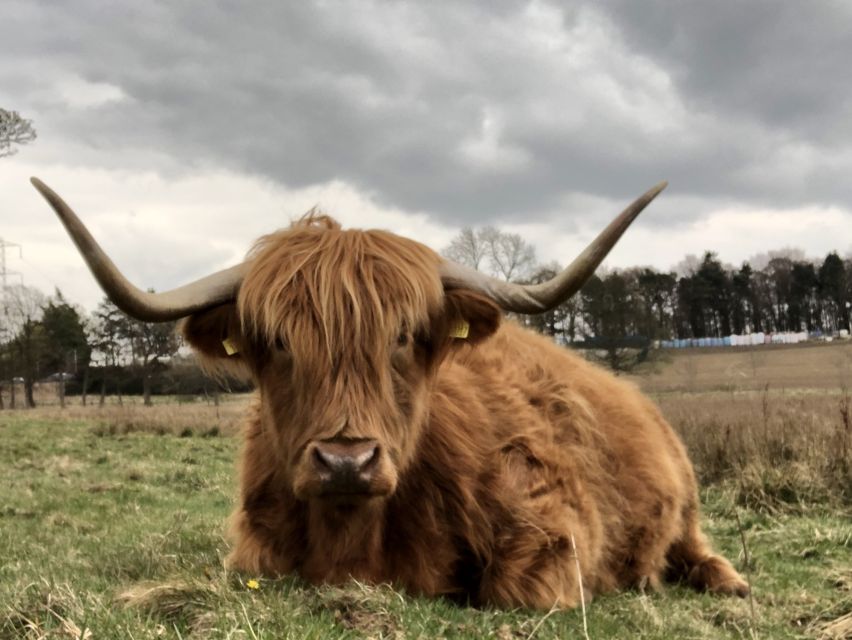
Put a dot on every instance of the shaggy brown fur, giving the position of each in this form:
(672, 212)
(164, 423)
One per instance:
(496, 451)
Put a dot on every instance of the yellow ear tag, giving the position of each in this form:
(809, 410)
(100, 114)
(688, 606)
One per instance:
(460, 330)
(230, 347)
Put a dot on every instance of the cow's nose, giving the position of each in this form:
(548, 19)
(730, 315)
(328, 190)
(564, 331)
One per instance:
(346, 466)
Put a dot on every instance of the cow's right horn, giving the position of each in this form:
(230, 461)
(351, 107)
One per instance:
(204, 293)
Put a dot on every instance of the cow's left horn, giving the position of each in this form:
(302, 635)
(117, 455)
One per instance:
(207, 292)
(537, 298)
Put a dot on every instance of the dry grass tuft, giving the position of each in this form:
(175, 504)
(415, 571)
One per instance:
(187, 603)
(166, 599)
(777, 451)
(828, 624)
(838, 629)
(44, 610)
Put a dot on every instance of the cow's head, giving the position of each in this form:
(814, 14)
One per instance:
(342, 332)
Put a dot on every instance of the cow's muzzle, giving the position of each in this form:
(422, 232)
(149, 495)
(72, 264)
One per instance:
(345, 467)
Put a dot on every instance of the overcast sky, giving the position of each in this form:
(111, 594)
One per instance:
(182, 131)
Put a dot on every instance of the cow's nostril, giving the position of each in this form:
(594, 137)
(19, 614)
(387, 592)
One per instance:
(367, 459)
(323, 459)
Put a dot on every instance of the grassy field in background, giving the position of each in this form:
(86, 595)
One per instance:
(112, 521)
(809, 365)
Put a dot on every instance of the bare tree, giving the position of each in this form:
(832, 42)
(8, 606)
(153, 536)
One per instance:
(23, 307)
(512, 258)
(760, 261)
(467, 248)
(688, 266)
(14, 130)
(509, 256)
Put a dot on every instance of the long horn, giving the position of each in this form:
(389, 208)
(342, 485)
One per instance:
(207, 292)
(536, 298)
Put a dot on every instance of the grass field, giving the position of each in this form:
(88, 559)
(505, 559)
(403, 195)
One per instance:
(821, 365)
(111, 526)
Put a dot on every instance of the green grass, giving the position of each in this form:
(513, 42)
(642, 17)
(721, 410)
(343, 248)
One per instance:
(121, 536)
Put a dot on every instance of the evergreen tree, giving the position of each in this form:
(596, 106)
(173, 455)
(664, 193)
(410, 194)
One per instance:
(834, 293)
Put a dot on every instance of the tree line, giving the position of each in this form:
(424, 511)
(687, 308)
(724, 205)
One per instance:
(46, 339)
(618, 314)
(781, 291)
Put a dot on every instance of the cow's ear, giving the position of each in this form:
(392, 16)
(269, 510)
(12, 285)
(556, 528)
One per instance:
(216, 337)
(469, 317)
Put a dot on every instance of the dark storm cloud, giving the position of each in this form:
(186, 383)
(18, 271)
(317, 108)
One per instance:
(775, 71)
(469, 112)
(781, 63)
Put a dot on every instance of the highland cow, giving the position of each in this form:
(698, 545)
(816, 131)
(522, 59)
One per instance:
(404, 431)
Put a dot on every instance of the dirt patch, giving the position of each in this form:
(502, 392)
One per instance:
(362, 608)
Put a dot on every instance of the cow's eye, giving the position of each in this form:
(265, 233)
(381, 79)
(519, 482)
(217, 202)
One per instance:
(280, 345)
(402, 340)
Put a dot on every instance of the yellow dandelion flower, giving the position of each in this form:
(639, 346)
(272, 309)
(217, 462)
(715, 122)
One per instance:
(253, 584)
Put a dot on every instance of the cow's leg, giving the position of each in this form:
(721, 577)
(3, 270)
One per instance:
(656, 520)
(548, 550)
(539, 565)
(692, 559)
(527, 574)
